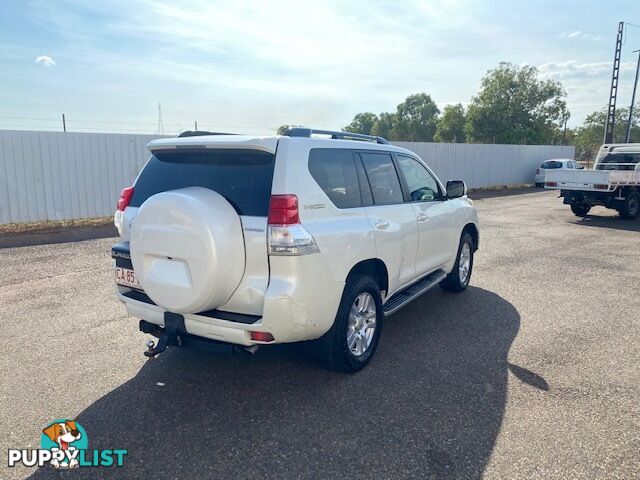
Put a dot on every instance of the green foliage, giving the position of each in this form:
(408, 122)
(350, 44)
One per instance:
(589, 136)
(416, 119)
(362, 123)
(514, 106)
(451, 124)
(384, 125)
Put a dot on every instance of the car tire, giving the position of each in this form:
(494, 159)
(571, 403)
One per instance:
(336, 347)
(631, 207)
(458, 279)
(580, 209)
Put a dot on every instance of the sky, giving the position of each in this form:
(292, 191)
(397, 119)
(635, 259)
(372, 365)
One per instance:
(250, 66)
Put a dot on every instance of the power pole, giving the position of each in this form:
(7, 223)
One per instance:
(611, 113)
(196, 125)
(160, 129)
(64, 124)
(633, 99)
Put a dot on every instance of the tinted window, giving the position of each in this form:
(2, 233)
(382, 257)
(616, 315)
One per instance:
(551, 164)
(335, 171)
(613, 161)
(421, 184)
(243, 177)
(383, 178)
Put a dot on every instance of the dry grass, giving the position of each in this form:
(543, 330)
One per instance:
(54, 225)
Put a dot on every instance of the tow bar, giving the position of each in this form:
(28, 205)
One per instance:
(174, 334)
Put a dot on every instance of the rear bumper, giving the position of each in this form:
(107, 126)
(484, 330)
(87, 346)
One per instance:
(294, 309)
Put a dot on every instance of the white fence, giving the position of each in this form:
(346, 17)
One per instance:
(486, 165)
(62, 176)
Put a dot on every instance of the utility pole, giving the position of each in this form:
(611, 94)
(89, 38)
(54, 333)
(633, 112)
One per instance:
(564, 131)
(160, 130)
(64, 124)
(633, 99)
(196, 125)
(611, 113)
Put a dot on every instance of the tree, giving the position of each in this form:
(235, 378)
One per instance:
(362, 123)
(384, 125)
(451, 124)
(514, 106)
(416, 119)
(589, 136)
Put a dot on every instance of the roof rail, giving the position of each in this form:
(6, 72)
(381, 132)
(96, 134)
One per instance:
(199, 133)
(308, 132)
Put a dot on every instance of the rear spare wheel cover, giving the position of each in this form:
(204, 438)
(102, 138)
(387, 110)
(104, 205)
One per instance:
(187, 249)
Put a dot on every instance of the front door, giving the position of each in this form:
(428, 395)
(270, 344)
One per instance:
(433, 213)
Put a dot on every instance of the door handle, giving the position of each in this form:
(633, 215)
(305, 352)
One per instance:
(382, 224)
(422, 217)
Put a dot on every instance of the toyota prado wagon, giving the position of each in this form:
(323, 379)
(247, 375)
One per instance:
(234, 240)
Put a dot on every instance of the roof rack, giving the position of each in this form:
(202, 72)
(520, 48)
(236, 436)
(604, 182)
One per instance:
(200, 133)
(308, 132)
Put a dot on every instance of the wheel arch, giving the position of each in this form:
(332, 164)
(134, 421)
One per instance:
(472, 229)
(374, 268)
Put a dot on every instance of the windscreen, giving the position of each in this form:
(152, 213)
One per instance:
(617, 161)
(243, 177)
(549, 164)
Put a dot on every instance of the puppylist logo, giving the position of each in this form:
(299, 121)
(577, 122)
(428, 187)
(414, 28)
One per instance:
(64, 444)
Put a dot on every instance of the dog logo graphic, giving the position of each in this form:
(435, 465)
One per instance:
(66, 436)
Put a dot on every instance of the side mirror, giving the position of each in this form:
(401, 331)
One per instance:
(456, 189)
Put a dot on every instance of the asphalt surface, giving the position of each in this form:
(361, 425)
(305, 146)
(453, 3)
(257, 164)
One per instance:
(530, 373)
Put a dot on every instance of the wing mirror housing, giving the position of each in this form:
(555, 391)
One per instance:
(456, 189)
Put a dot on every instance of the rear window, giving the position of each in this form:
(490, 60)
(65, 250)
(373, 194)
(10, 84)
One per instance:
(335, 171)
(243, 177)
(614, 161)
(551, 164)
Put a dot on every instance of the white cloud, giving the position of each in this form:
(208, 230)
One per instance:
(45, 60)
(581, 34)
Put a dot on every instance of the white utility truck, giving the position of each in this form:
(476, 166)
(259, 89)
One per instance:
(614, 182)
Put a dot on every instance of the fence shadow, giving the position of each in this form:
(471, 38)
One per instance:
(430, 405)
(56, 235)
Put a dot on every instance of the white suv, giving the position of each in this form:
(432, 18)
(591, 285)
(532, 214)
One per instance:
(315, 235)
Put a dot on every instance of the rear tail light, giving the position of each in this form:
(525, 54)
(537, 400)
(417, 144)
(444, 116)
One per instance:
(286, 235)
(123, 202)
(261, 337)
(551, 184)
(125, 198)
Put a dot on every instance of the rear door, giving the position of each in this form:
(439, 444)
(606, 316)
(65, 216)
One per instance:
(436, 223)
(394, 221)
(243, 177)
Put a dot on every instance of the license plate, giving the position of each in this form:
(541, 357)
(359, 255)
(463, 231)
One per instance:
(127, 277)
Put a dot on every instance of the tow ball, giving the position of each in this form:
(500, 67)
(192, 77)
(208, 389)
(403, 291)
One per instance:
(170, 335)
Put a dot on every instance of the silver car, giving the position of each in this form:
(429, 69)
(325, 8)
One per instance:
(553, 164)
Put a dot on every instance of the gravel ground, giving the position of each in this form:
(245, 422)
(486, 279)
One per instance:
(530, 373)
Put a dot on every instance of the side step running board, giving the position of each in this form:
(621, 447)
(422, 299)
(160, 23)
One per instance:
(400, 299)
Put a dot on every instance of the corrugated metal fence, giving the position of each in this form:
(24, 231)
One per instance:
(62, 176)
(486, 165)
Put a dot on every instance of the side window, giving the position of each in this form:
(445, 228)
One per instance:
(421, 184)
(335, 171)
(570, 165)
(383, 178)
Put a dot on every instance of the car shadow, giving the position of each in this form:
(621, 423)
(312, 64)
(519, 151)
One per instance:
(614, 222)
(429, 405)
